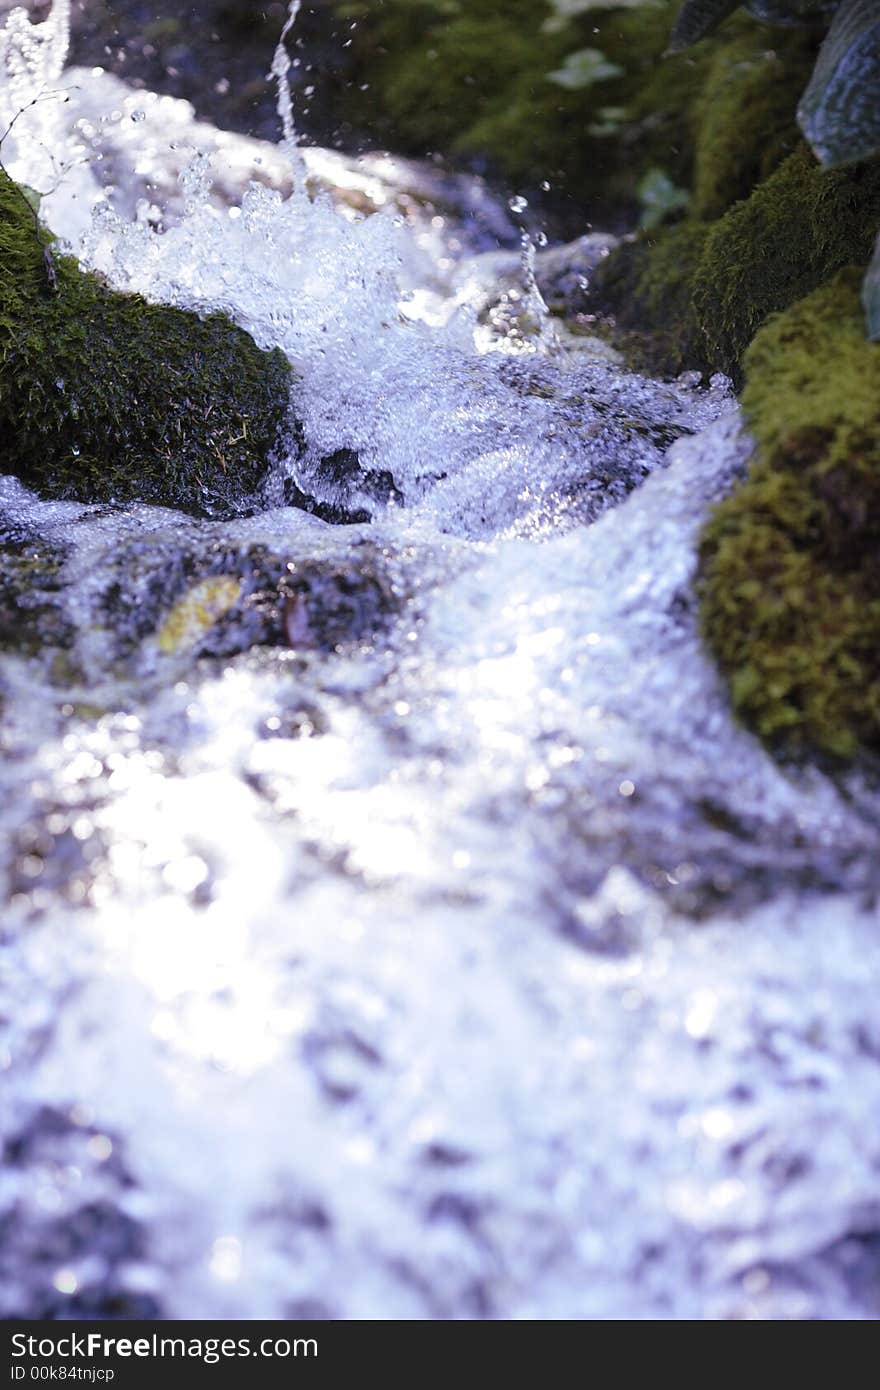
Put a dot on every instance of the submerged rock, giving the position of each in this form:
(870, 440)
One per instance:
(790, 568)
(104, 397)
(173, 594)
(31, 618)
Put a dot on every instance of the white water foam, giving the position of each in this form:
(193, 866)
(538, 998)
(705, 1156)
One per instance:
(478, 966)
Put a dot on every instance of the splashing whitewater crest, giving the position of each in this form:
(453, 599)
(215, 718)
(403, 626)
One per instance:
(32, 58)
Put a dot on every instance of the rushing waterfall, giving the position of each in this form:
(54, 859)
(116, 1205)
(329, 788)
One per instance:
(397, 923)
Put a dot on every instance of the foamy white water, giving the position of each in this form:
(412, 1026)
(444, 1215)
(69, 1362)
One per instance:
(422, 939)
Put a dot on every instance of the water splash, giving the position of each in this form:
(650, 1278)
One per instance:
(430, 854)
(281, 64)
(32, 59)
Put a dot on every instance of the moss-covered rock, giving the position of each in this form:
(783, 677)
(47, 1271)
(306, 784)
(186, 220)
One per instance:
(797, 229)
(105, 397)
(743, 120)
(790, 562)
(695, 294)
(643, 294)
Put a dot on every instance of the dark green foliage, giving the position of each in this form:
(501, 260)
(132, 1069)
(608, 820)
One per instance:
(790, 566)
(105, 397)
(474, 80)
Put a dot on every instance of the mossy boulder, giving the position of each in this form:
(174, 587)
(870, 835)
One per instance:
(743, 120)
(790, 562)
(796, 230)
(695, 294)
(104, 397)
(765, 226)
(643, 295)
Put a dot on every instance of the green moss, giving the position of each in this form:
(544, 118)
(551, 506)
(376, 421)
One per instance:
(695, 295)
(472, 80)
(744, 117)
(105, 397)
(799, 226)
(789, 563)
(643, 293)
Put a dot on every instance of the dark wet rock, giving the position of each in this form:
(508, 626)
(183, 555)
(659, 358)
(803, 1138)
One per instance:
(31, 618)
(563, 272)
(301, 720)
(338, 482)
(339, 1057)
(562, 275)
(711, 858)
(216, 599)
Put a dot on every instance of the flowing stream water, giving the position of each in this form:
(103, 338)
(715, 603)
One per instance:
(395, 921)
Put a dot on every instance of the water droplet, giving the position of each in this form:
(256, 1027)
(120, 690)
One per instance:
(65, 1281)
(138, 116)
(518, 203)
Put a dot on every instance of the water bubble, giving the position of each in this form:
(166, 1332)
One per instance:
(138, 116)
(517, 203)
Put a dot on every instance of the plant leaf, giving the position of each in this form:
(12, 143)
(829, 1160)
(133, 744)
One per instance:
(696, 18)
(839, 112)
(871, 296)
(660, 198)
(583, 68)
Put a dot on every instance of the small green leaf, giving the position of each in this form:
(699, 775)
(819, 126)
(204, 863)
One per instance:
(609, 122)
(659, 197)
(696, 18)
(839, 112)
(583, 69)
(871, 296)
